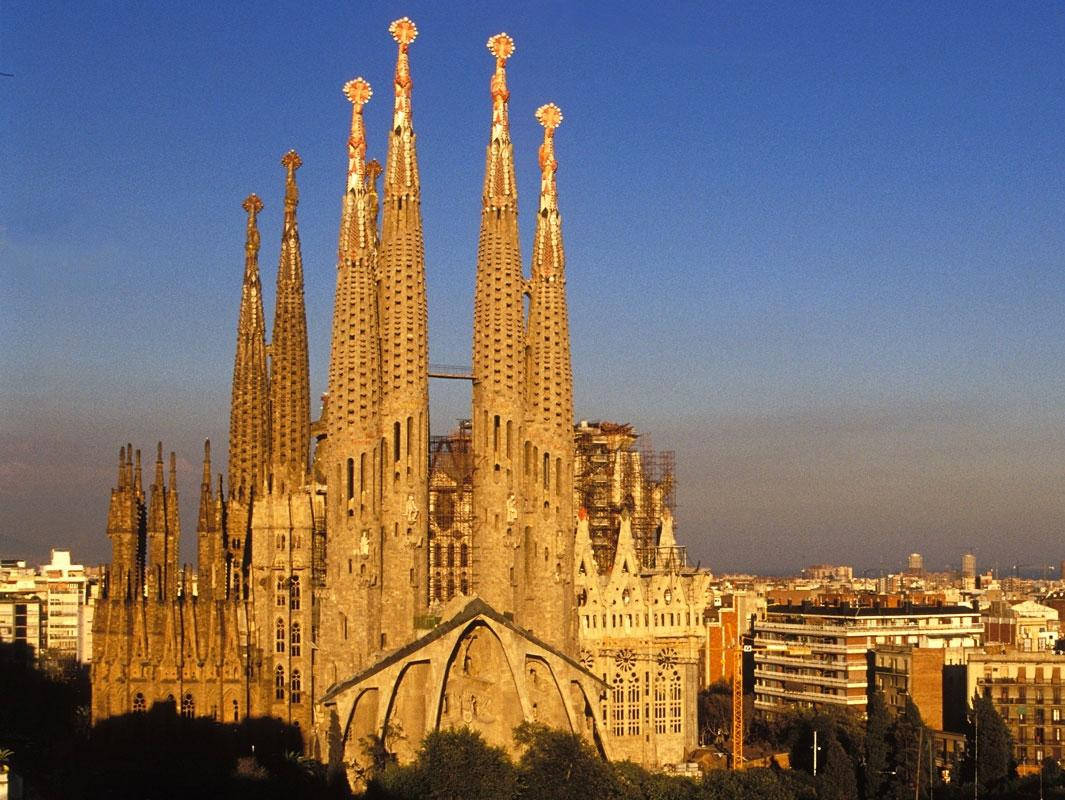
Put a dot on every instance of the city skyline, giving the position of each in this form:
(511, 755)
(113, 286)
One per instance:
(817, 260)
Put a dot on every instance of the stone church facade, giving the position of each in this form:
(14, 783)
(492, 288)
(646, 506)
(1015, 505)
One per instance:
(332, 591)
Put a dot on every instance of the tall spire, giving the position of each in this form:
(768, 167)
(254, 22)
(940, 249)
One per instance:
(551, 378)
(354, 368)
(549, 404)
(404, 340)
(402, 164)
(290, 386)
(352, 457)
(248, 417)
(499, 176)
(498, 362)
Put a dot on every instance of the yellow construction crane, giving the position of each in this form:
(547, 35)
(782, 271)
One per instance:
(737, 706)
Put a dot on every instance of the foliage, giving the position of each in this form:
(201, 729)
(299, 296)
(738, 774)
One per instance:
(451, 765)
(560, 766)
(751, 784)
(829, 723)
(636, 783)
(837, 780)
(878, 746)
(911, 739)
(988, 749)
(714, 713)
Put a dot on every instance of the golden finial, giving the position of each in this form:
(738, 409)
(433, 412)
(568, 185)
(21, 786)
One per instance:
(253, 205)
(358, 91)
(291, 161)
(502, 47)
(550, 116)
(403, 30)
(373, 169)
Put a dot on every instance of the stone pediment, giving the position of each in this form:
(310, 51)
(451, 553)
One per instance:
(477, 669)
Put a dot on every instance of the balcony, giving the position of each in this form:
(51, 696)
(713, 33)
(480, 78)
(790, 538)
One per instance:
(820, 680)
(812, 697)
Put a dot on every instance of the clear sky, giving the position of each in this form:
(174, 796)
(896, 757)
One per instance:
(816, 248)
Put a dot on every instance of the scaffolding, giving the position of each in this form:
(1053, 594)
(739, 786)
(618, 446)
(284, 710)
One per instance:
(615, 468)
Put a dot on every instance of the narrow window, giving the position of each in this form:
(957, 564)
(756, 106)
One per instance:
(509, 426)
(296, 686)
(279, 683)
(139, 703)
(495, 435)
(464, 555)
(351, 478)
(279, 636)
(547, 470)
(188, 706)
(294, 642)
(362, 476)
(294, 593)
(410, 434)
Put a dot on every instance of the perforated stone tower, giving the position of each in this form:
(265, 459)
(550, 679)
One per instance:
(404, 367)
(498, 363)
(354, 454)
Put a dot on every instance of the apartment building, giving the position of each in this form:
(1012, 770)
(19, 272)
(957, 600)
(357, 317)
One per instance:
(809, 655)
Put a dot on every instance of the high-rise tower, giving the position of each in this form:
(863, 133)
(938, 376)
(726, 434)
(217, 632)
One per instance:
(290, 386)
(249, 412)
(353, 459)
(500, 466)
(404, 367)
(549, 418)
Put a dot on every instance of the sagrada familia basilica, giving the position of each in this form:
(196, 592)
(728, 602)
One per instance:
(317, 593)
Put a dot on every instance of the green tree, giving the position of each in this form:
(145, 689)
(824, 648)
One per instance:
(837, 779)
(751, 784)
(910, 736)
(556, 765)
(460, 765)
(715, 713)
(878, 747)
(988, 748)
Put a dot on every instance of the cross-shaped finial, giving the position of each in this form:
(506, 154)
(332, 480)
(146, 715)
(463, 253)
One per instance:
(358, 91)
(291, 161)
(403, 30)
(373, 169)
(550, 116)
(253, 205)
(501, 46)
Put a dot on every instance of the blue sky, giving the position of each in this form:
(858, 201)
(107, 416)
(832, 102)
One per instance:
(817, 249)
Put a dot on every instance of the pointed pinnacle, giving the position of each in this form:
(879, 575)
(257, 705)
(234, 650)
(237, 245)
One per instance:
(404, 31)
(502, 47)
(359, 92)
(206, 481)
(173, 471)
(159, 466)
(550, 116)
(253, 205)
(291, 161)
